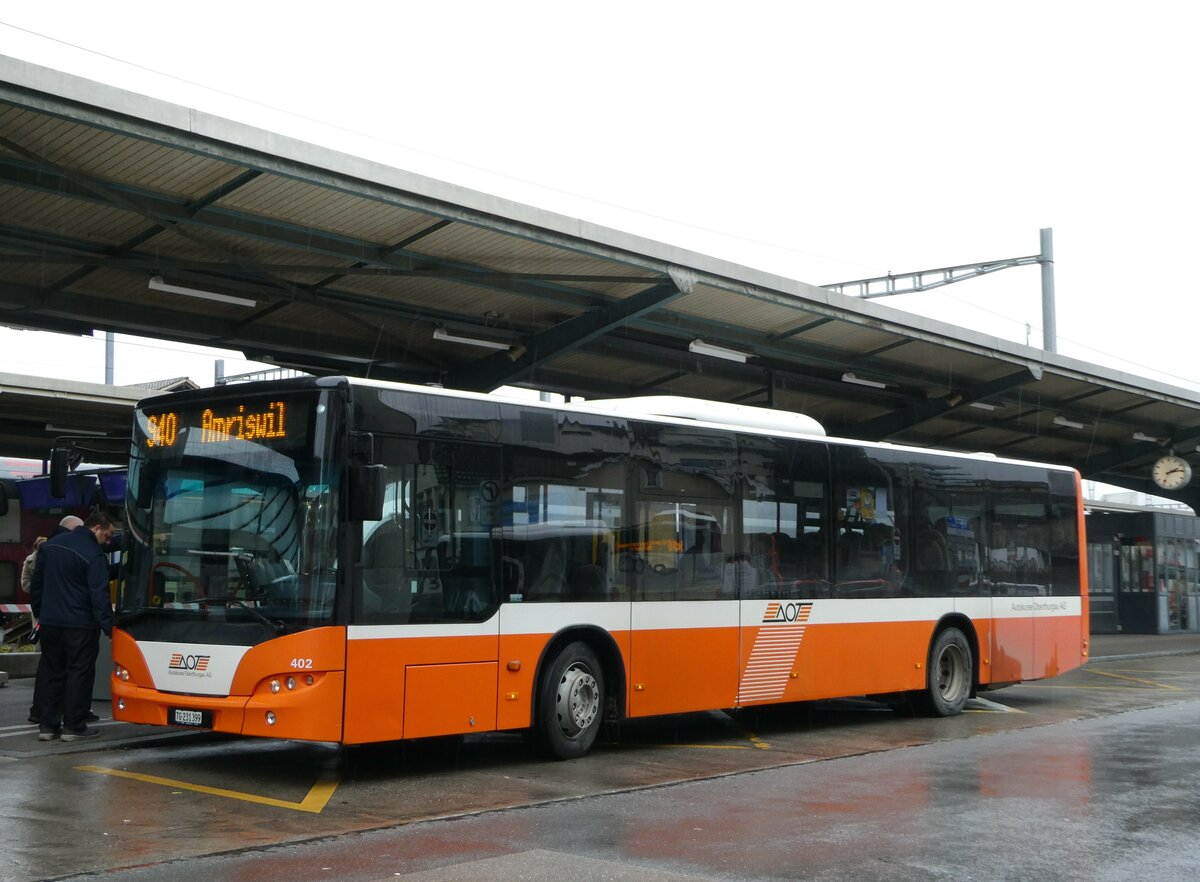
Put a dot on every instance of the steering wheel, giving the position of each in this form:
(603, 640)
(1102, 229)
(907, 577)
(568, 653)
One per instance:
(171, 565)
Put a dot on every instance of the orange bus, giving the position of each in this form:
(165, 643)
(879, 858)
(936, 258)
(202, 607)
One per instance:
(355, 561)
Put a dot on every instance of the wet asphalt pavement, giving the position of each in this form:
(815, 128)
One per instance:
(1093, 775)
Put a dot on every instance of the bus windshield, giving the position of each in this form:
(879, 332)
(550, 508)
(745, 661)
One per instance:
(230, 525)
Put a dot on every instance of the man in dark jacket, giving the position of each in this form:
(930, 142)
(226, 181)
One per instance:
(70, 597)
(66, 525)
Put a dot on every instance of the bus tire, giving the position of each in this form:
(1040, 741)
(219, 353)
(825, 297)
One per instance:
(571, 703)
(949, 674)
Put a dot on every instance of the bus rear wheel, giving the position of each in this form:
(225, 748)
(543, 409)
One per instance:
(571, 700)
(948, 675)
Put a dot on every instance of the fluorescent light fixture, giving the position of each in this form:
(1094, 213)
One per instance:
(851, 377)
(445, 336)
(157, 284)
(983, 405)
(1070, 424)
(699, 347)
(1142, 436)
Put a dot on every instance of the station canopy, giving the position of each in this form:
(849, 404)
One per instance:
(120, 212)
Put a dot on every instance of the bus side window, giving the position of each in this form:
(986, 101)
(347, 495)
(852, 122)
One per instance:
(385, 587)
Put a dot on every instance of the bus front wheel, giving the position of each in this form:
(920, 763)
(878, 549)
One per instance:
(571, 700)
(949, 674)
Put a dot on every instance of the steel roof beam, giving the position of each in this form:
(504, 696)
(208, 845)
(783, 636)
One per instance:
(78, 314)
(118, 199)
(214, 217)
(891, 424)
(502, 368)
(149, 233)
(85, 252)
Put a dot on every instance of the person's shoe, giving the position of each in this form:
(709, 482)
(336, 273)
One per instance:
(92, 717)
(49, 733)
(79, 734)
(34, 718)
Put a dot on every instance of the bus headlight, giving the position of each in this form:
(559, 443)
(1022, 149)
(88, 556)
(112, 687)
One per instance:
(270, 718)
(274, 685)
(291, 683)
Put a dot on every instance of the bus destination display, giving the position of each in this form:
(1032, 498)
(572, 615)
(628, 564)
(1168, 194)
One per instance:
(272, 422)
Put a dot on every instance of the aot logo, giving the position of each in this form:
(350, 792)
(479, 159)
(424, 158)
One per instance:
(189, 663)
(786, 612)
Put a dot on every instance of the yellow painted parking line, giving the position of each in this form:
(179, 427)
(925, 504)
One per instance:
(708, 746)
(1153, 683)
(1160, 671)
(1097, 688)
(755, 742)
(314, 802)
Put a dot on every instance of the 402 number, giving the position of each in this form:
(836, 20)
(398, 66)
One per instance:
(302, 663)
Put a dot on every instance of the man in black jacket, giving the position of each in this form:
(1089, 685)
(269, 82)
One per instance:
(70, 597)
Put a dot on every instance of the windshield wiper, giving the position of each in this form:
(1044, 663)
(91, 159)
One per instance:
(230, 600)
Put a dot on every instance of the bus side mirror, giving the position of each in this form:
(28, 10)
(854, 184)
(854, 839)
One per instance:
(60, 468)
(144, 495)
(3, 501)
(367, 486)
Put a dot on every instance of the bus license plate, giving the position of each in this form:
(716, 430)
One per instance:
(182, 716)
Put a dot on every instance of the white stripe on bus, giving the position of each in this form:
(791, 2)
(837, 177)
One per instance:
(548, 618)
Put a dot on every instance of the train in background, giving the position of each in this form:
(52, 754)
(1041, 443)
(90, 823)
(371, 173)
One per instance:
(28, 509)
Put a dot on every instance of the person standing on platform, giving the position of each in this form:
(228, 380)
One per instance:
(70, 597)
(66, 525)
(30, 560)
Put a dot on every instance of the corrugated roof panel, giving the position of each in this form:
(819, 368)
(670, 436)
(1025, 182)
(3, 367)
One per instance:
(847, 336)
(1167, 414)
(947, 369)
(63, 216)
(320, 208)
(739, 310)
(184, 174)
(112, 156)
(440, 296)
(508, 253)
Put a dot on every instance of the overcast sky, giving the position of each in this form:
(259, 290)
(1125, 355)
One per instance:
(821, 141)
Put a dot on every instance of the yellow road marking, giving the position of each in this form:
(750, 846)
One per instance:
(708, 746)
(1153, 671)
(314, 802)
(755, 742)
(1153, 683)
(1097, 688)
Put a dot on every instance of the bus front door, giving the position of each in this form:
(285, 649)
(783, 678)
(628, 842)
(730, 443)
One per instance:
(422, 656)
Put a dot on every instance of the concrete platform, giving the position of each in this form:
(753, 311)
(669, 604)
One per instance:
(1112, 646)
(159, 799)
(18, 736)
(18, 665)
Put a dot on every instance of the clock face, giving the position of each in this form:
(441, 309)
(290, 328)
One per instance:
(1171, 472)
